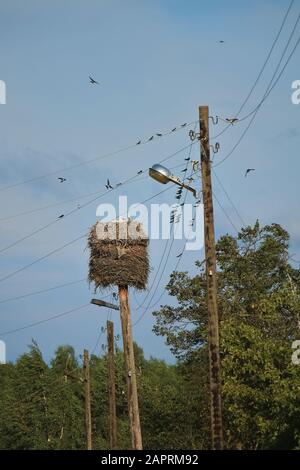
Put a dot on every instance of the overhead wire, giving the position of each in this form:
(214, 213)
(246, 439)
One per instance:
(261, 70)
(87, 162)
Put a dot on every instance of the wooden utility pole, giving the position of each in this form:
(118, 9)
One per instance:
(132, 394)
(87, 398)
(112, 387)
(211, 276)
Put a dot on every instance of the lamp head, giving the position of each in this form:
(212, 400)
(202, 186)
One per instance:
(160, 173)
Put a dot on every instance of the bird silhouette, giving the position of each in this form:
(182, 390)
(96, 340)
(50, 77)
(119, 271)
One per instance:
(108, 185)
(174, 129)
(221, 41)
(139, 142)
(61, 179)
(184, 124)
(187, 159)
(159, 135)
(61, 216)
(93, 81)
(151, 138)
(232, 120)
(140, 172)
(180, 254)
(248, 171)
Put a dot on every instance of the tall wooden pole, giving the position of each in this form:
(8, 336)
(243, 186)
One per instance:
(112, 387)
(87, 397)
(211, 276)
(132, 394)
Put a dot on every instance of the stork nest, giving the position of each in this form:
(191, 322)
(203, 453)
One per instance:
(116, 259)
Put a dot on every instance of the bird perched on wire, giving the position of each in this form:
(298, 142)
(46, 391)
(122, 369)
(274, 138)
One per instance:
(248, 171)
(93, 81)
(184, 124)
(151, 138)
(232, 120)
(174, 129)
(61, 216)
(221, 41)
(108, 185)
(195, 165)
(180, 254)
(159, 134)
(61, 179)
(140, 172)
(139, 142)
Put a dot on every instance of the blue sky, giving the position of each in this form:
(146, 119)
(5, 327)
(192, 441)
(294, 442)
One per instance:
(156, 61)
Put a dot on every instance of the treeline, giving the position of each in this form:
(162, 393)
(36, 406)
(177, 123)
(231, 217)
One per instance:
(42, 405)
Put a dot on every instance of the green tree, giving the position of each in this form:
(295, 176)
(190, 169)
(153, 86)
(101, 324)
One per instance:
(259, 318)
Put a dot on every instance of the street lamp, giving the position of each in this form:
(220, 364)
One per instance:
(163, 175)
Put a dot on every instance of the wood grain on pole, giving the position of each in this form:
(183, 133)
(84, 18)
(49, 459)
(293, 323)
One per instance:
(111, 387)
(87, 396)
(132, 394)
(211, 276)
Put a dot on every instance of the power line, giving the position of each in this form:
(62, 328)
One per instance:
(23, 268)
(42, 291)
(229, 199)
(270, 87)
(255, 111)
(166, 245)
(225, 212)
(160, 277)
(30, 325)
(261, 70)
(66, 201)
(72, 211)
(92, 160)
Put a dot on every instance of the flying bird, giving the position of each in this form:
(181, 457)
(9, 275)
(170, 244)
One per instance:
(248, 171)
(61, 216)
(61, 179)
(93, 82)
(108, 185)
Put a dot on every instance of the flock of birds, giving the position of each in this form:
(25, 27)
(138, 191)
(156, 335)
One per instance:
(108, 185)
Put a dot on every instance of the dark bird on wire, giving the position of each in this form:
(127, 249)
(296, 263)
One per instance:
(151, 138)
(248, 171)
(174, 129)
(61, 216)
(221, 41)
(232, 120)
(61, 179)
(187, 159)
(159, 135)
(180, 254)
(108, 185)
(140, 172)
(93, 82)
(183, 125)
(139, 142)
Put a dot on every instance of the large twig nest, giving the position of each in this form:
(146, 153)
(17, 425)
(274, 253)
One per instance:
(118, 254)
